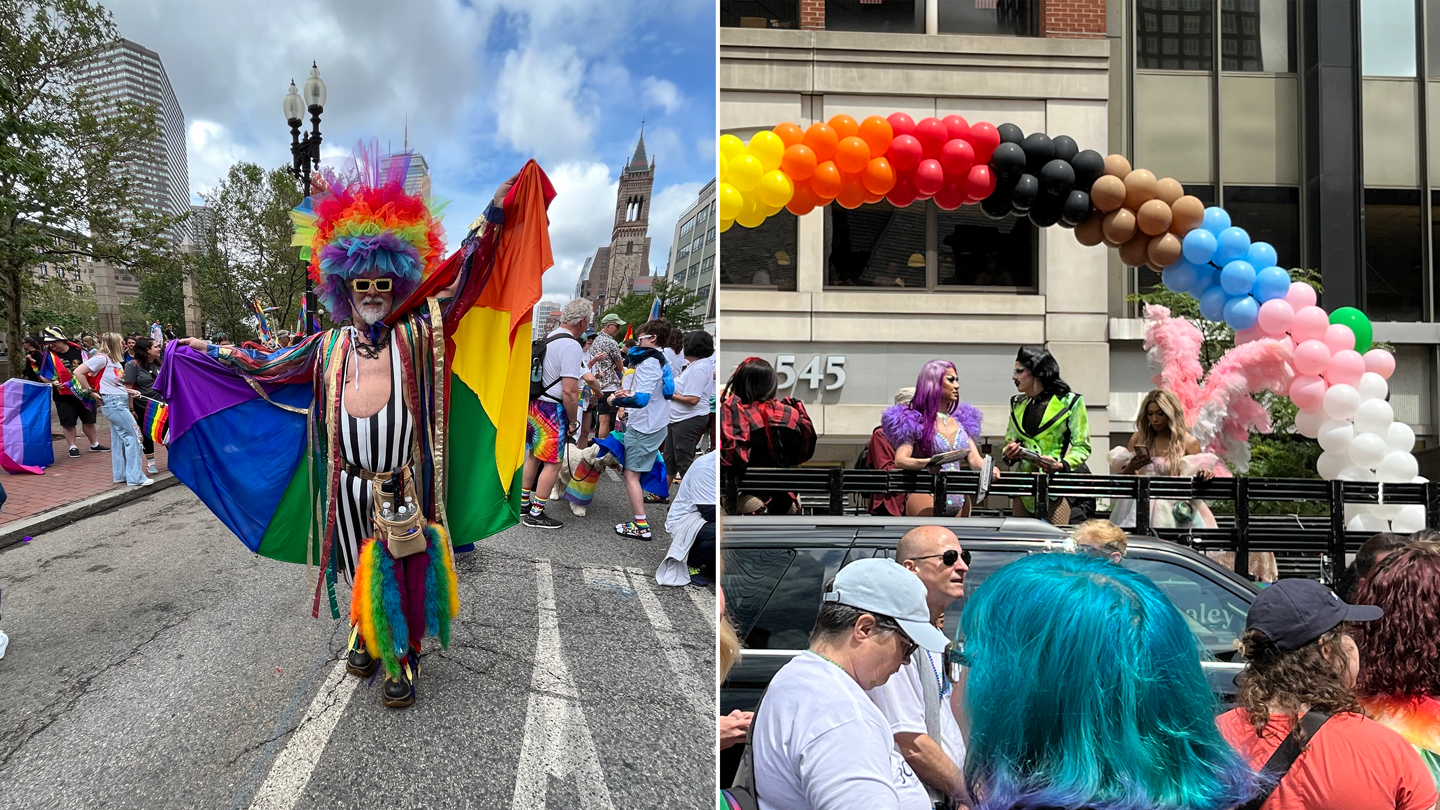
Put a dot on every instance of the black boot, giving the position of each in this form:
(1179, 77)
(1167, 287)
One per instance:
(400, 692)
(359, 662)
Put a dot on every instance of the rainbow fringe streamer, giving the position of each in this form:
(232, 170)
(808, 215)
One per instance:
(157, 416)
(581, 489)
(375, 599)
(1417, 719)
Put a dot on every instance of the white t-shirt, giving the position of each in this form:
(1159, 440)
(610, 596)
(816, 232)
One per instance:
(697, 380)
(903, 704)
(113, 380)
(649, 378)
(675, 359)
(563, 358)
(821, 744)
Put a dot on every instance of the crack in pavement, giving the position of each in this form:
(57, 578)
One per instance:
(330, 702)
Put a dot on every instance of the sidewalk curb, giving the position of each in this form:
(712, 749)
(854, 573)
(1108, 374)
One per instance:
(13, 533)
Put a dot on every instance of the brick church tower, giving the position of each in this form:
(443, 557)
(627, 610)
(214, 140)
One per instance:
(629, 253)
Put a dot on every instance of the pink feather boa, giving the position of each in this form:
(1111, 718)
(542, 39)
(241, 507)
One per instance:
(905, 425)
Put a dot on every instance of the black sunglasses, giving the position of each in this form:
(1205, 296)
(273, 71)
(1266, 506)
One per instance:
(948, 558)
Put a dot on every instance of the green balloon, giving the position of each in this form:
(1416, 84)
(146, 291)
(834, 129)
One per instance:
(1358, 323)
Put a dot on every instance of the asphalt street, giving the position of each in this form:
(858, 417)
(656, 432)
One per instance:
(155, 663)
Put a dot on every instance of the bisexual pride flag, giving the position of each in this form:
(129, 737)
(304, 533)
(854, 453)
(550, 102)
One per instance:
(25, 444)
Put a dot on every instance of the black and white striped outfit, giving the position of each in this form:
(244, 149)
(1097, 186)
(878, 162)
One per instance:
(378, 443)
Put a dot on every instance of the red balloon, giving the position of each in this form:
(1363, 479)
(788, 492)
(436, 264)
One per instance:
(826, 180)
(821, 139)
(980, 183)
(957, 157)
(905, 152)
(879, 177)
(902, 124)
(951, 196)
(955, 125)
(929, 177)
(903, 192)
(852, 193)
(932, 134)
(804, 200)
(799, 162)
(984, 137)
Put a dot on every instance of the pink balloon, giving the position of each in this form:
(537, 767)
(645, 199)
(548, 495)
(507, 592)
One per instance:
(1339, 338)
(1312, 357)
(1301, 295)
(1381, 362)
(1275, 317)
(1346, 368)
(1308, 392)
(1311, 323)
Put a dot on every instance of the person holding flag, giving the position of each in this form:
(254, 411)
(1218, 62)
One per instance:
(72, 404)
(140, 375)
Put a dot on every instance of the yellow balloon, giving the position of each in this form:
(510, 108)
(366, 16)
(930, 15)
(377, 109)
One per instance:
(768, 147)
(724, 169)
(751, 216)
(775, 189)
(731, 201)
(725, 224)
(730, 146)
(745, 171)
(770, 210)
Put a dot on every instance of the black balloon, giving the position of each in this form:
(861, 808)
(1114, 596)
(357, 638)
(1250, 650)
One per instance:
(1039, 150)
(1027, 188)
(1009, 133)
(997, 205)
(1065, 147)
(1045, 212)
(1008, 160)
(1088, 165)
(1075, 210)
(1057, 178)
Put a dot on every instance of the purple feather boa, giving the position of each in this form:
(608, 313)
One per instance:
(905, 425)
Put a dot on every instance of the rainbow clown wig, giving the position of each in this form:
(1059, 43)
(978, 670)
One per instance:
(360, 221)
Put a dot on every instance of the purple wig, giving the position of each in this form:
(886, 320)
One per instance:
(914, 424)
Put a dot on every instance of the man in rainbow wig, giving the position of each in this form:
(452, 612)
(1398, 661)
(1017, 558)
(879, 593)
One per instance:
(382, 478)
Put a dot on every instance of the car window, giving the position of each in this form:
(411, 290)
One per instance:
(750, 577)
(789, 616)
(1215, 613)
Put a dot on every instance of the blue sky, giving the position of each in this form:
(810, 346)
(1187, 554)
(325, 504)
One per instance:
(486, 85)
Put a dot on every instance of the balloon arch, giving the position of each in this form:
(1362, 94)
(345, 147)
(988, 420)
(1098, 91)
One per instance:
(1330, 370)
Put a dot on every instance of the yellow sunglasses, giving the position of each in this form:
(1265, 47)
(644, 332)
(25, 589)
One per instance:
(364, 285)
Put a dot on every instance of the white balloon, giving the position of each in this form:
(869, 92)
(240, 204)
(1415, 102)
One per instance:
(1374, 416)
(1411, 519)
(1372, 386)
(1331, 463)
(1335, 435)
(1398, 467)
(1367, 450)
(1400, 436)
(1353, 473)
(1420, 479)
(1341, 401)
(1366, 522)
(1307, 423)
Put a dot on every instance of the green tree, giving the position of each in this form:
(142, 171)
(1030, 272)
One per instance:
(53, 302)
(63, 192)
(678, 305)
(162, 293)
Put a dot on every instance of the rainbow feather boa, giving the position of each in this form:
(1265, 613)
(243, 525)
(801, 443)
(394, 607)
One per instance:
(1417, 719)
(375, 599)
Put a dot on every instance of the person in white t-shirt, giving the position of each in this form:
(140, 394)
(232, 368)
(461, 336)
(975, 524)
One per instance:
(554, 416)
(127, 458)
(647, 418)
(817, 740)
(690, 407)
(917, 701)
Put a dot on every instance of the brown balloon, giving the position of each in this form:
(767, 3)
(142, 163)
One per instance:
(1108, 192)
(1117, 165)
(1168, 190)
(1164, 250)
(1186, 214)
(1135, 253)
(1139, 188)
(1091, 231)
(1119, 227)
(1153, 218)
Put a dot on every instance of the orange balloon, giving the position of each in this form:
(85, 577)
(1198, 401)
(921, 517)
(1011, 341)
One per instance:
(1135, 252)
(873, 198)
(851, 155)
(1139, 188)
(1108, 193)
(852, 194)
(803, 202)
(821, 138)
(1117, 165)
(826, 181)
(1186, 215)
(878, 178)
(1119, 227)
(798, 162)
(790, 134)
(1164, 250)
(1090, 232)
(878, 133)
(1168, 190)
(844, 126)
(1153, 217)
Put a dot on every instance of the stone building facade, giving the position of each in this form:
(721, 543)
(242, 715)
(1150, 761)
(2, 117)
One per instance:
(629, 250)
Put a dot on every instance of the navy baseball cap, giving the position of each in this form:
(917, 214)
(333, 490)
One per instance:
(1295, 612)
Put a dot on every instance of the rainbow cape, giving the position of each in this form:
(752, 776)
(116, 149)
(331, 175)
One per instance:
(1417, 719)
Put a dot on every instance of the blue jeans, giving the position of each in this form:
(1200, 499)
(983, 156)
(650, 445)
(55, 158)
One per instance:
(126, 459)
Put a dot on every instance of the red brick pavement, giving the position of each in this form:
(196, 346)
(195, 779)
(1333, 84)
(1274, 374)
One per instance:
(70, 480)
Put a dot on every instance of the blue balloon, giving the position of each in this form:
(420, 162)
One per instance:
(1242, 312)
(1180, 276)
(1216, 220)
(1261, 254)
(1231, 244)
(1198, 246)
(1204, 281)
(1272, 283)
(1237, 277)
(1212, 304)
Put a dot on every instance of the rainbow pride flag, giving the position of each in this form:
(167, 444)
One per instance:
(157, 416)
(25, 445)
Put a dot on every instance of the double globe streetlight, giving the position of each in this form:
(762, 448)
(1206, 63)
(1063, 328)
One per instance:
(305, 152)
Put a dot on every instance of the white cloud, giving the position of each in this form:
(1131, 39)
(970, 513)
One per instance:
(581, 219)
(661, 93)
(541, 106)
(665, 211)
(211, 152)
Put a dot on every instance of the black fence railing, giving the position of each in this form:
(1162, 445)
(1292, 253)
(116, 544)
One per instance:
(1242, 532)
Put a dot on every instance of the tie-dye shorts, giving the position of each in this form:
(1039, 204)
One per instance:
(545, 430)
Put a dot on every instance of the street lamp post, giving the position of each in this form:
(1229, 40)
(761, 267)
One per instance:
(305, 152)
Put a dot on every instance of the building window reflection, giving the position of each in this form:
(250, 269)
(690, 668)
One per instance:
(763, 257)
(1387, 38)
(974, 250)
(1268, 214)
(1171, 35)
(1393, 283)
(889, 17)
(760, 13)
(1019, 18)
(875, 245)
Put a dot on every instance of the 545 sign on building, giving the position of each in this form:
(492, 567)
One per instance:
(817, 372)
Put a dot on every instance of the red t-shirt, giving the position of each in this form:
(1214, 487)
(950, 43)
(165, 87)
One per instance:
(1353, 763)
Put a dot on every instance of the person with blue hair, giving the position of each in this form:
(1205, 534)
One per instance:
(1082, 688)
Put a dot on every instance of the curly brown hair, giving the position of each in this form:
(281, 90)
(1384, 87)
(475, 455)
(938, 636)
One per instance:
(1278, 682)
(1401, 650)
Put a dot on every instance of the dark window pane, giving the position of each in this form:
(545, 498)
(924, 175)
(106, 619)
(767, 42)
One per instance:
(1435, 237)
(760, 257)
(1263, 32)
(975, 250)
(1188, 28)
(1204, 193)
(1432, 35)
(760, 13)
(789, 615)
(1392, 254)
(875, 245)
(891, 16)
(1268, 215)
(1019, 18)
(750, 578)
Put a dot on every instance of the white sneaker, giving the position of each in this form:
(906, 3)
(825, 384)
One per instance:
(152, 469)
(147, 482)
(4, 642)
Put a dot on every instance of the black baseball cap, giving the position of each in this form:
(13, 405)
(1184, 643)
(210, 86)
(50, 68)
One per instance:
(1295, 612)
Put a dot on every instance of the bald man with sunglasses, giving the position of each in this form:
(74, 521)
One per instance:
(917, 700)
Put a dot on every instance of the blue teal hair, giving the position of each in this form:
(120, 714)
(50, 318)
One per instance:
(1085, 690)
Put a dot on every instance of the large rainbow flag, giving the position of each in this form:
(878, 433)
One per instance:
(25, 445)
